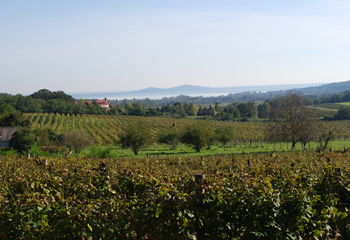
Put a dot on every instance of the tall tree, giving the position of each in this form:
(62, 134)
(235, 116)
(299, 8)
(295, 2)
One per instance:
(243, 110)
(193, 109)
(263, 110)
(291, 118)
(253, 110)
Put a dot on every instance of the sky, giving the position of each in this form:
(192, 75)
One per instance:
(91, 46)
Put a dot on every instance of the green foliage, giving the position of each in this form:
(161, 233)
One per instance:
(243, 110)
(46, 137)
(263, 110)
(98, 152)
(224, 134)
(198, 134)
(343, 113)
(47, 95)
(292, 120)
(172, 138)
(158, 199)
(76, 140)
(13, 119)
(22, 140)
(135, 136)
(6, 108)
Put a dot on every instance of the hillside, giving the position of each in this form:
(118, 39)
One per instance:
(326, 88)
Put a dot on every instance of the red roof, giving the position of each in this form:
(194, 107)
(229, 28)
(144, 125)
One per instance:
(100, 102)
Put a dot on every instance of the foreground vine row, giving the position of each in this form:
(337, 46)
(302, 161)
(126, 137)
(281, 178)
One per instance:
(283, 196)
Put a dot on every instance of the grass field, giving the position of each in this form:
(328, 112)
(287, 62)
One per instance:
(215, 150)
(334, 106)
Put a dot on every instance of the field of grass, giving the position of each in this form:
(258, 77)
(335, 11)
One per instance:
(182, 150)
(334, 106)
(345, 103)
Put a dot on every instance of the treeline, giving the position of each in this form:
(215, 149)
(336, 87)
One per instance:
(240, 105)
(335, 98)
(230, 98)
(45, 101)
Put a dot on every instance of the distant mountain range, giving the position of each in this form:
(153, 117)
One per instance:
(179, 89)
(327, 88)
(191, 90)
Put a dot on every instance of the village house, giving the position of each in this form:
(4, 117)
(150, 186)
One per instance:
(102, 103)
(6, 135)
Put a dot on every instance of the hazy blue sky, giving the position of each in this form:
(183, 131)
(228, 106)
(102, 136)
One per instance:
(85, 46)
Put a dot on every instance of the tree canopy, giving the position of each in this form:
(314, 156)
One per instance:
(291, 118)
(135, 136)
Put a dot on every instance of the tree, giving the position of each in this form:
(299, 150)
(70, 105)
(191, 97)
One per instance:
(7, 108)
(127, 105)
(14, 119)
(22, 140)
(76, 140)
(343, 113)
(193, 109)
(197, 133)
(230, 109)
(172, 138)
(224, 134)
(325, 135)
(263, 110)
(291, 118)
(243, 110)
(135, 136)
(253, 110)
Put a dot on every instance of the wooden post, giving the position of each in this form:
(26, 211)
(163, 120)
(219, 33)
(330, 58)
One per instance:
(248, 162)
(199, 178)
(243, 153)
(28, 156)
(147, 155)
(157, 154)
(104, 169)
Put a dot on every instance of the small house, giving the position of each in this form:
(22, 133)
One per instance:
(102, 103)
(6, 135)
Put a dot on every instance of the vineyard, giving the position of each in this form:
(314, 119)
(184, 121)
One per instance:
(280, 196)
(104, 129)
